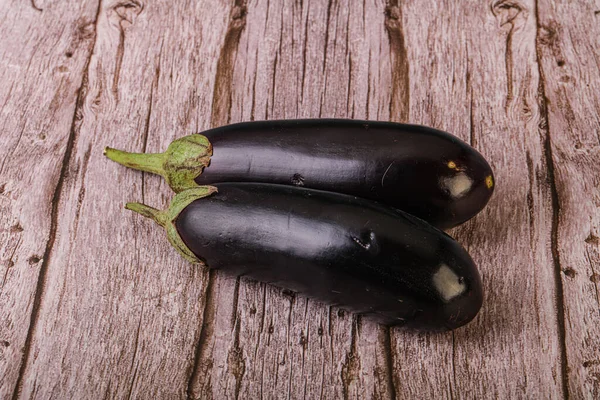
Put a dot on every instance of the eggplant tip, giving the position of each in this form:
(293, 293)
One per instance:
(489, 181)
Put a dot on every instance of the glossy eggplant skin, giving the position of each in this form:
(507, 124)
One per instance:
(363, 256)
(425, 172)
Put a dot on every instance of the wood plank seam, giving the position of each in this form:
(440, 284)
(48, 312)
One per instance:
(545, 129)
(41, 281)
(221, 107)
(389, 362)
(400, 101)
(205, 331)
(399, 110)
(351, 365)
(235, 358)
(220, 115)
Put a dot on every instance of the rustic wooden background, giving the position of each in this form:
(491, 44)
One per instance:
(95, 304)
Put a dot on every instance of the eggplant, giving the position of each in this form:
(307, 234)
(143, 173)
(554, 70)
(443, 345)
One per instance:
(366, 257)
(423, 171)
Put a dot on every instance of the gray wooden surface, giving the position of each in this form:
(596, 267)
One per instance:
(95, 304)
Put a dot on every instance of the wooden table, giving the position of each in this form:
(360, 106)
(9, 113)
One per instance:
(95, 304)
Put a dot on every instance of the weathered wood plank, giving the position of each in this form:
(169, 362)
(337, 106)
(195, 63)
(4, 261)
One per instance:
(307, 59)
(473, 72)
(120, 311)
(569, 51)
(42, 60)
(94, 302)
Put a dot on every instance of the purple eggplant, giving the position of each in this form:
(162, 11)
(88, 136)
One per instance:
(423, 171)
(361, 255)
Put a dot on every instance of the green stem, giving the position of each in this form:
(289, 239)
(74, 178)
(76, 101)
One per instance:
(182, 162)
(150, 162)
(158, 216)
(166, 218)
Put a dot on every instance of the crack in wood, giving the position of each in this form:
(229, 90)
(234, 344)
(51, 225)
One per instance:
(234, 311)
(81, 195)
(253, 108)
(507, 11)
(262, 378)
(59, 95)
(350, 92)
(322, 386)
(8, 95)
(389, 361)
(199, 367)
(279, 54)
(56, 197)
(304, 340)
(10, 263)
(592, 239)
(399, 108)
(530, 202)
(261, 326)
(326, 47)
(289, 328)
(545, 127)
(35, 7)
(351, 366)
(593, 278)
(146, 131)
(223, 89)
(368, 103)
(135, 351)
(235, 357)
(330, 332)
(12, 151)
(469, 90)
(118, 63)
(268, 7)
(274, 79)
(127, 12)
(304, 61)
(454, 385)
(324, 63)
(35, 49)
(264, 303)
(472, 137)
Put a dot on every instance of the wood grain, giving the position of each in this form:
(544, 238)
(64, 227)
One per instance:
(42, 61)
(569, 53)
(93, 301)
(486, 91)
(119, 317)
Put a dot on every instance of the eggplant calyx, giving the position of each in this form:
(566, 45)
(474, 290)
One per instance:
(184, 161)
(166, 218)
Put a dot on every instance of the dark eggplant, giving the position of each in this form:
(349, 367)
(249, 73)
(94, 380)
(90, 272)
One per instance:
(423, 171)
(361, 255)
